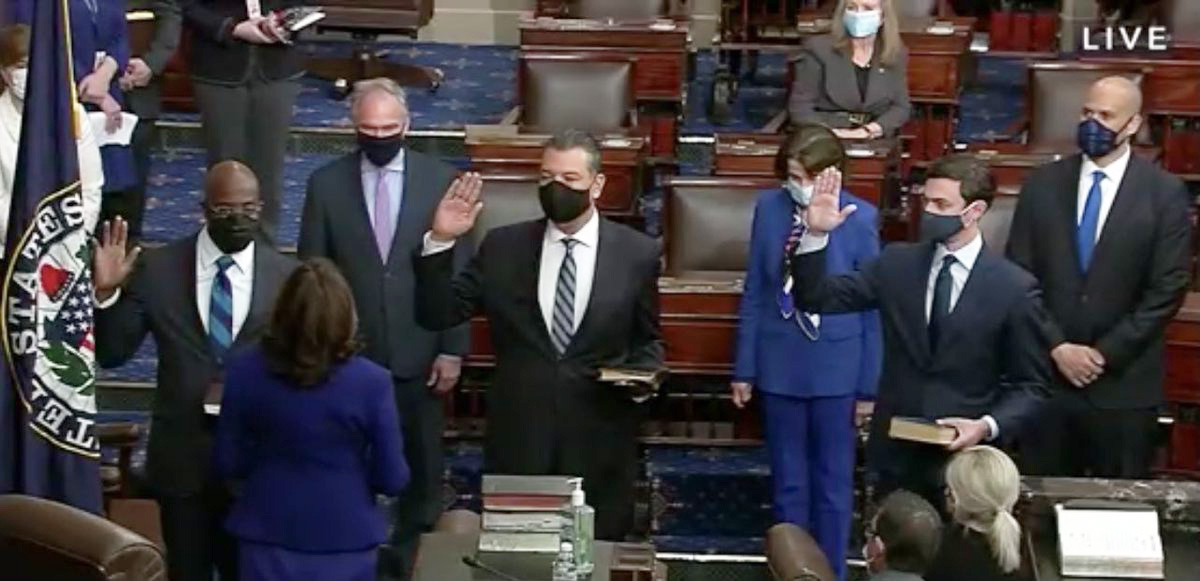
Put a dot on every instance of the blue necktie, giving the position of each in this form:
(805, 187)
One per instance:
(220, 310)
(1085, 235)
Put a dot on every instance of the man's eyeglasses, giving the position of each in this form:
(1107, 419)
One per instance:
(250, 210)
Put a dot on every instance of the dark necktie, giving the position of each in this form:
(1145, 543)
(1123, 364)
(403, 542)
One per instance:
(562, 326)
(1089, 223)
(941, 300)
(220, 309)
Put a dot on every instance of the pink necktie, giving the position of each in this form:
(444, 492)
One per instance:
(384, 216)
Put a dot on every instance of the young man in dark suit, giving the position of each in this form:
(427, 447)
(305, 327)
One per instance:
(246, 72)
(1107, 235)
(142, 83)
(201, 298)
(366, 212)
(960, 324)
(565, 296)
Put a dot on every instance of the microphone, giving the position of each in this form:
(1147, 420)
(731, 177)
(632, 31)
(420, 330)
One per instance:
(474, 563)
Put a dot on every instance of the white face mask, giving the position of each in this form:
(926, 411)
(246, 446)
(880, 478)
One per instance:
(801, 193)
(14, 81)
(861, 24)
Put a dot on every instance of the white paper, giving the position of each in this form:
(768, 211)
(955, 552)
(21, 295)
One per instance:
(1109, 543)
(253, 8)
(121, 136)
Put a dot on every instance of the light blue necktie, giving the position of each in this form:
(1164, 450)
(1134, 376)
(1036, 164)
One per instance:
(1089, 224)
(220, 310)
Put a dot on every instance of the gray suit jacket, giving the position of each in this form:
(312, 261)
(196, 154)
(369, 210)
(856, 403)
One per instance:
(146, 102)
(335, 225)
(825, 89)
(160, 299)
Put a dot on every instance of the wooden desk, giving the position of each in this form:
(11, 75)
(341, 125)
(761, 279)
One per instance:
(699, 320)
(871, 164)
(622, 156)
(439, 558)
(660, 58)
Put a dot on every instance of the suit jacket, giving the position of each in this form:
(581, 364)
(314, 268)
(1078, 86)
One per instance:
(160, 299)
(318, 496)
(773, 353)
(893, 575)
(217, 57)
(989, 359)
(965, 554)
(146, 102)
(1137, 279)
(541, 407)
(825, 89)
(335, 224)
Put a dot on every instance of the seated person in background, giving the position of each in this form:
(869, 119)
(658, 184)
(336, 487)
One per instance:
(984, 541)
(809, 369)
(312, 432)
(14, 68)
(903, 538)
(855, 78)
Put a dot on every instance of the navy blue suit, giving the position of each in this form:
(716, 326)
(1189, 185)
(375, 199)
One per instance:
(310, 460)
(808, 387)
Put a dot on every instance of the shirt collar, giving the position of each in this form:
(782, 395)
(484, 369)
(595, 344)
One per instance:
(207, 252)
(967, 255)
(588, 236)
(396, 165)
(1115, 170)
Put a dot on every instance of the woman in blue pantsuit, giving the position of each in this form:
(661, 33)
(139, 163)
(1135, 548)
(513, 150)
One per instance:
(309, 433)
(809, 369)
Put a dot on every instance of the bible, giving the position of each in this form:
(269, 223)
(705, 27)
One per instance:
(921, 430)
(298, 18)
(1109, 539)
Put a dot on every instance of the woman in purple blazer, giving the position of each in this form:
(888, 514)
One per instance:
(809, 369)
(309, 434)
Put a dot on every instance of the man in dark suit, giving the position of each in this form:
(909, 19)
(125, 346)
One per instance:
(960, 324)
(366, 212)
(565, 296)
(142, 83)
(201, 298)
(245, 71)
(1107, 235)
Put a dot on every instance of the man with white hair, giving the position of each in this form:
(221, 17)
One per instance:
(1107, 235)
(367, 212)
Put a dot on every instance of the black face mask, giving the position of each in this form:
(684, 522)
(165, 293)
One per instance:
(938, 228)
(380, 150)
(232, 233)
(562, 203)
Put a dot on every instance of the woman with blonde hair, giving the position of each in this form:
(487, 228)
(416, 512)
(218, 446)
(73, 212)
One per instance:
(984, 541)
(854, 79)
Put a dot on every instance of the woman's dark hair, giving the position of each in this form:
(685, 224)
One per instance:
(313, 325)
(815, 147)
(14, 44)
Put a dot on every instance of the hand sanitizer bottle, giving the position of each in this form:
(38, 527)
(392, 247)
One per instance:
(564, 563)
(584, 520)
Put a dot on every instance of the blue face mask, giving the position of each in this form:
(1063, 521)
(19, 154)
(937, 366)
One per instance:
(1096, 140)
(861, 24)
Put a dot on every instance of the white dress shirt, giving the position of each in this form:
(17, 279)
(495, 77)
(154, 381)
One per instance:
(394, 185)
(241, 281)
(1113, 174)
(960, 271)
(553, 253)
(91, 172)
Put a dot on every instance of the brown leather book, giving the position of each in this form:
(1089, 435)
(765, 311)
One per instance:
(921, 430)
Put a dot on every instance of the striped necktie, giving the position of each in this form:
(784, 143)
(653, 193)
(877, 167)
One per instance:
(562, 326)
(220, 309)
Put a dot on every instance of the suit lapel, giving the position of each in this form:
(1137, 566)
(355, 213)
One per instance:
(843, 89)
(912, 303)
(356, 210)
(410, 216)
(187, 264)
(606, 264)
(527, 281)
(259, 305)
(970, 300)
(877, 76)
(1119, 215)
(1069, 204)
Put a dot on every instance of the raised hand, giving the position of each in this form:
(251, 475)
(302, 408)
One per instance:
(111, 263)
(824, 213)
(459, 208)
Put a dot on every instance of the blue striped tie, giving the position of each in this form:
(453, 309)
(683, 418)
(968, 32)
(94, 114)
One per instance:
(220, 310)
(563, 326)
